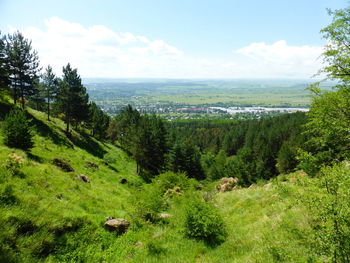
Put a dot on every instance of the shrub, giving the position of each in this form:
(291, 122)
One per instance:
(329, 202)
(170, 180)
(17, 130)
(204, 222)
(148, 203)
(7, 196)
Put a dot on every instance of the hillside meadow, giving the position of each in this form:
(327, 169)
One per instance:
(50, 215)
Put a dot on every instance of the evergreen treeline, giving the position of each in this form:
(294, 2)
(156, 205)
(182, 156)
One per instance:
(64, 97)
(203, 149)
(250, 150)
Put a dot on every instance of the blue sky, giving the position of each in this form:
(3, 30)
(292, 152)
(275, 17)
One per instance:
(175, 39)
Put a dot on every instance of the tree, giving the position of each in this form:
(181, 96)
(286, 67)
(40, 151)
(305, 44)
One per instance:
(23, 66)
(143, 137)
(49, 87)
(17, 130)
(98, 121)
(337, 51)
(329, 116)
(150, 147)
(72, 99)
(126, 128)
(185, 158)
(4, 78)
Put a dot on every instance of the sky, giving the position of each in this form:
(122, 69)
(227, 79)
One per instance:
(175, 38)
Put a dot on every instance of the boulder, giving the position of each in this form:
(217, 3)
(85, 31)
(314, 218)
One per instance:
(63, 165)
(227, 184)
(118, 225)
(84, 178)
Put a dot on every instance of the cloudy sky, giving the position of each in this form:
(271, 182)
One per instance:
(175, 38)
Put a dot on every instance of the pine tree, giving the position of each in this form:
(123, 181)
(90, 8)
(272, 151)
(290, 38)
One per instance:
(23, 66)
(4, 77)
(72, 99)
(17, 130)
(49, 88)
(98, 121)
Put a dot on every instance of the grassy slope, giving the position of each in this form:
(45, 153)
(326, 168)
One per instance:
(60, 218)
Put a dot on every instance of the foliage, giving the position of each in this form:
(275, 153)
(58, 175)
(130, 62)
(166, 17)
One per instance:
(252, 146)
(204, 222)
(184, 157)
(4, 76)
(337, 52)
(329, 116)
(17, 130)
(72, 98)
(98, 121)
(151, 199)
(49, 87)
(330, 206)
(144, 137)
(7, 196)
(23, 66)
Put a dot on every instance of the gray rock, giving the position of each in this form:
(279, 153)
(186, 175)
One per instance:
(118, 225)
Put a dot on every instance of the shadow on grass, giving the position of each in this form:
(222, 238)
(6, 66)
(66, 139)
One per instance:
(88, 144)
(112, 168)
(34, 157)
(45, 131)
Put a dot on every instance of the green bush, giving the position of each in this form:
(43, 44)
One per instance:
(204, 222)
(329, 202)
(17, 130)
(169, 180)
(148, 203)
(7, 196)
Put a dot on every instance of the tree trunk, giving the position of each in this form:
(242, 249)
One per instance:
(68, 121)
(48, 106)
(15, 94)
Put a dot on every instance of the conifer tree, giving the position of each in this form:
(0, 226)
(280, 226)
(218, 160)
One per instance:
(98, 121)
(49, 88)
(4, 78)
(23, 66)
(72, 99)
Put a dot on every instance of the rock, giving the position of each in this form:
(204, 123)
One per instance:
(118, 225)
(92, 165)
(123, 181)
(164, 216)
(84, 178)
(227, 184)
(63, 165)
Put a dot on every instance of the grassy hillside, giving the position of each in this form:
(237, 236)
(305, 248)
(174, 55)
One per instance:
(48, 215)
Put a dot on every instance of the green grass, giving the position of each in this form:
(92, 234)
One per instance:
(52, 216)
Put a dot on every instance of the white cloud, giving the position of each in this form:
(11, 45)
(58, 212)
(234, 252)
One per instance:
(98, 51)
(280, 60)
